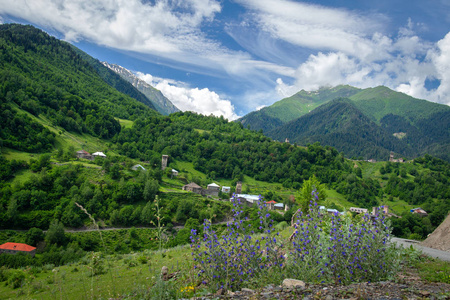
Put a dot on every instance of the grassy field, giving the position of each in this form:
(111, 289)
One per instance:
(122, 275)
(125, 123)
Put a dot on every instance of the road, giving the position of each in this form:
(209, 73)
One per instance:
(443, 255)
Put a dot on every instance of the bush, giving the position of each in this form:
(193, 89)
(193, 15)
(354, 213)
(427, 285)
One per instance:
(237, 258)
(340, 250)
(16, 278)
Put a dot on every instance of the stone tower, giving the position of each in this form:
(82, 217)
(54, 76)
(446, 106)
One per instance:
(238, 188)
(165, 158)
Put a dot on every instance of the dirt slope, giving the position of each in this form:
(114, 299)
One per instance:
(440, 238)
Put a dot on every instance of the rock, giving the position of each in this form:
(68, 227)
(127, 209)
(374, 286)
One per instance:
(164, 272)
(329, 297)
(219, 292)
(246, 291)
(425, 293)
(293, 283)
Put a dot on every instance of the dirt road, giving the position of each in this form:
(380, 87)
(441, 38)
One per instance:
(443, 255)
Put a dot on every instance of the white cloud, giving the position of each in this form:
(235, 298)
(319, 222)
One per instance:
(405, 71)
(202, 101)
(318, 27)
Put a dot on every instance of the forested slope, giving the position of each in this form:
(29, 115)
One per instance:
(46, 77)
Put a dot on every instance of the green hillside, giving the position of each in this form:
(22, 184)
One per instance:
(420, 127)
(381, 101)
(46, 77)
(341, 125)
(293, 107)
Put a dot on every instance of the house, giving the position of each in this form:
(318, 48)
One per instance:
(330, 211)
(193, 187)
(226, 189)
(84, 154)
(250, 200)
(358, 210)
(279, 206)
(271, 204)
(98, 154)
(419, 211)
(174, 172)
(14, 248)
(213, 189)
(137, 167)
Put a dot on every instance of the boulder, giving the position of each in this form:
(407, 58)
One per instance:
(293, 283)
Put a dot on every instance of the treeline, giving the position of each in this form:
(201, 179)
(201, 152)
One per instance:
(223, 149)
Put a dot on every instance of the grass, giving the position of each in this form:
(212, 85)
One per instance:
(11, 154)
(75, 281)
(434, 270)
(125, 123)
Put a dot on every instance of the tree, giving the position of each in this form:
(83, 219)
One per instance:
(305, 194)
(150, 190)
(34, 236)
(55, 233)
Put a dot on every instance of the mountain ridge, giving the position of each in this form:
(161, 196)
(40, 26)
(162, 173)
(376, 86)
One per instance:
(420, 125)
(159, 101)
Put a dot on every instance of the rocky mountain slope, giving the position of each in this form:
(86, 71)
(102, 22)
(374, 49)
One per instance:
(162, 104)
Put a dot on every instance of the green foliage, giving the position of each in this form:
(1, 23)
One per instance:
(16, 278)
(34, 236)
(309, 186)
(46, 77)
(55, 233)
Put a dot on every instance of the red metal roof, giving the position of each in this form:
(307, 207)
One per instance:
(17, 247)
(270, 202)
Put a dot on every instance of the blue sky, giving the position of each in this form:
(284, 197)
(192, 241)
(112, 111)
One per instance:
(232, 57)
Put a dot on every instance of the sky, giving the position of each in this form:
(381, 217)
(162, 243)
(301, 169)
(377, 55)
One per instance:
(231, 57)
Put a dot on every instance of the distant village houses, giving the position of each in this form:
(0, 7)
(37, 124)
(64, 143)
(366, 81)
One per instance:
(99, 154)
(419, 211)
(84, 154)
(13, 248)
(193, 187)
(358, 210)
(226, 189)
(391, 158)
(213, 189)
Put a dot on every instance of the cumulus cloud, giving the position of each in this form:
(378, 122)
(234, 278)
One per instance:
(405, 72)
(202, 101)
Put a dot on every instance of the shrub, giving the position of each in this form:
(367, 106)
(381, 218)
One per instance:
(16, 278)
(237, 258)
(341, 250)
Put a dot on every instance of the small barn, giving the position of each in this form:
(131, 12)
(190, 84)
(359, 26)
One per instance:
(84, 154)
(13, 248)
(193, 187)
